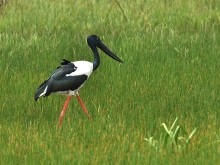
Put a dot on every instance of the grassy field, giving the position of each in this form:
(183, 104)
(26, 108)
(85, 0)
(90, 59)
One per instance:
(172, 69)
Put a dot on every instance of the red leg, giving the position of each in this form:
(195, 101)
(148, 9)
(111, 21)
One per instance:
(83, 106)
(64, 110)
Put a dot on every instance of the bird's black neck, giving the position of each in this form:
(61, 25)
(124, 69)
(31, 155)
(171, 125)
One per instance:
(96, 61)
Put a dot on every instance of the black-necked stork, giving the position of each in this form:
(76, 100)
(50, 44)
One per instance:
(71, 76)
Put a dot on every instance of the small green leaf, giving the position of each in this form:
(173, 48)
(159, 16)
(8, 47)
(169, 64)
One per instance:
(191, 134)
(166, 129)
(173, 123)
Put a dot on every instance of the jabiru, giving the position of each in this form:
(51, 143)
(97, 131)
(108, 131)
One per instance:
(70, 77)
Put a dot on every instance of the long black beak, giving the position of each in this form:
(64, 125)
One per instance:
(108, 52)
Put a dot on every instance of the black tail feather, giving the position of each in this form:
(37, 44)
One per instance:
(43, 90)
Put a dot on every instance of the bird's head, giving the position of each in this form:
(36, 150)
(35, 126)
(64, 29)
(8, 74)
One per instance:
(94, 41)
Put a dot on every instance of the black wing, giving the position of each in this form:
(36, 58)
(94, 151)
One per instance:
(66, 68)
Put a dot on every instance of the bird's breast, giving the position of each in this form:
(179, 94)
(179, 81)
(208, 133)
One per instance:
(82, 68)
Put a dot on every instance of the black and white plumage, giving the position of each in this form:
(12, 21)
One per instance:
(67, 79)
(70, 76)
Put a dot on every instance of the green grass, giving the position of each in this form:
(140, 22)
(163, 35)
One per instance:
(171, 53)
